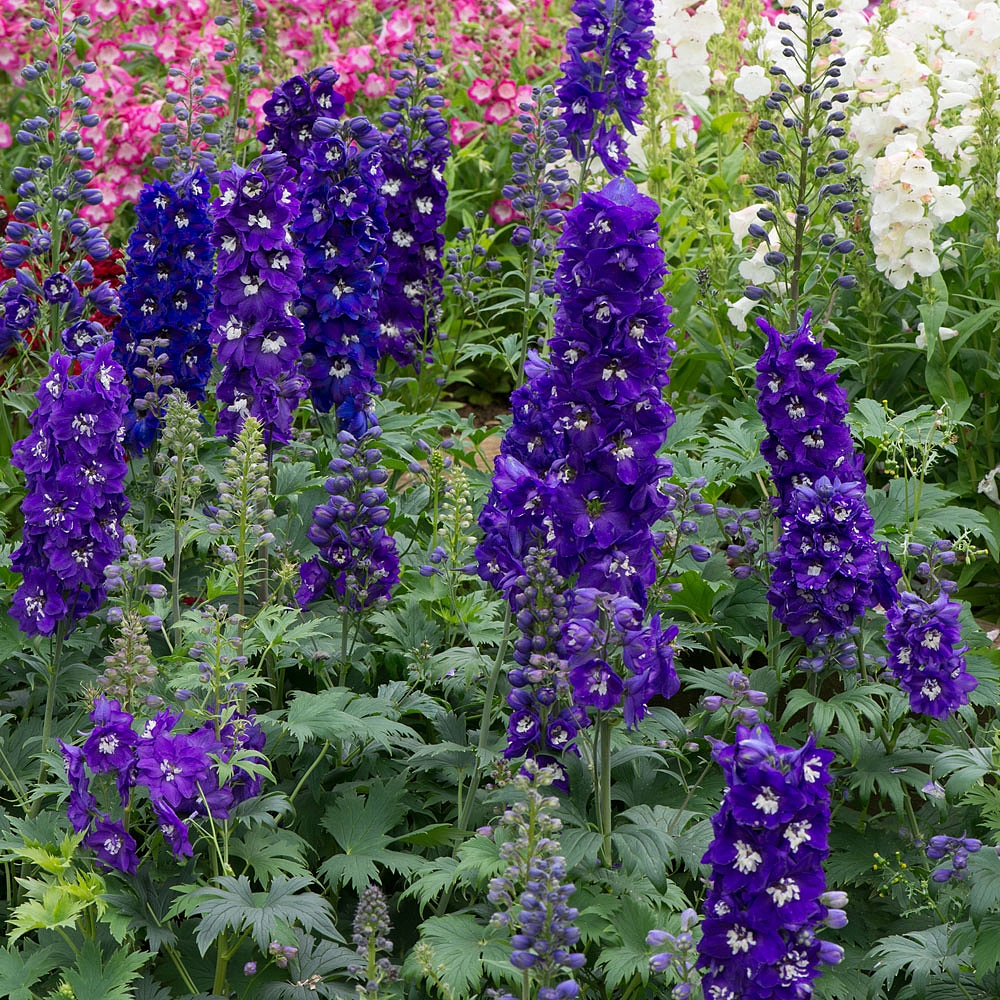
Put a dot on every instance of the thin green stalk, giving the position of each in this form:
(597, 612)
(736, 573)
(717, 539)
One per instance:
(175, 957)
(529, 277)
(486, 723)
(221, 964)
(312, 767)
(603, 776)
(50, 701)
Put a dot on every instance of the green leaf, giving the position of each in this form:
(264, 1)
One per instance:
(360, 826)
(338, 714)
(435, 877)
(464, 947)
(231, 904)
(632, 922)
(56, 908)
(984, 883)
(986, 950)
(97, 979)
(20, 970)
(920, 954)
(270, 852)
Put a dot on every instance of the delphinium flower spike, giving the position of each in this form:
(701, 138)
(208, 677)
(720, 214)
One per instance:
(357, 555)
(47, 240)
(924, 638)
(414, 154)
(258, 272)
(165, 299)
(189, 142)
(341, 230)
(767, 897)
(828, 568)
(532, 895)
(371, 936)
(602, 81)
(578, 469)
(74, 464)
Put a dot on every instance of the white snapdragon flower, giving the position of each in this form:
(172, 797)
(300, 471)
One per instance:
(753, 83)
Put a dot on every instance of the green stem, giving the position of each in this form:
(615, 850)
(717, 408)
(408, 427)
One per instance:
(525, 985)
(221, 964)
(50, 702)
(602, 774)
(486, 723)
(529, 277)
(175, 957)
(312, 767)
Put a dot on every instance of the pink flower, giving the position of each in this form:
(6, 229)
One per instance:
(359, 59)
(507, 90)
(498, 112)
(462, 133)
(106, 9)
(5, 139)
(400, 28)
(255, 102)
(375, 86)
(502, 211)
(480, 91)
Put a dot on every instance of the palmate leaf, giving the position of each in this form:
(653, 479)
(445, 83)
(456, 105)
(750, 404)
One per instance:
(97, 978)
(618, 963)
(919, 954)
(435, 877)
(232, 904)
(271, 852)
(338, 714)
(325, 959)
(20, 970)
(984, 883)
(466, 949)
(361, 827)
(55, 908)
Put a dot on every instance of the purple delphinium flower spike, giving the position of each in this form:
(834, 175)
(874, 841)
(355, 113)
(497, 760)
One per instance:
(601, 77)
(766, 897)
(926, 655)
(166, 296)
(74, 464)
(804, 411)
(357, 555)
(258, 274)
(414, 154)
(341, 230)
(578, 469)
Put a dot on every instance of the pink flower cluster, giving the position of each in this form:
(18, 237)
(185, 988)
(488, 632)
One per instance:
(134, 42)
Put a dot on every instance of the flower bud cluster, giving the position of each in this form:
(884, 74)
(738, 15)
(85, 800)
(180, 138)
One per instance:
(532, 895)
(538, 181)
(954, 853)
(178, 770)
(766, 898)
(163, 333)
(601, 78)
(74, 464)
(414, 154)
(680, 959)
(371, 936)
(259, 270)
(741, 704)
(131, 666)
(188, 142)
(357, 555)
(244, 512)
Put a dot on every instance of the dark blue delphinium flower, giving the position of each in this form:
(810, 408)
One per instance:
(825, 561)
(601, 78)
(926, 655)
(292, 112)
(805, 412)
(341, 230)
(357, 555)
(766, 897)
(954, 852)
(74, 464)
(258, 273)
(165, 300)
(578, 469)
(18, 312)
(414, 153)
